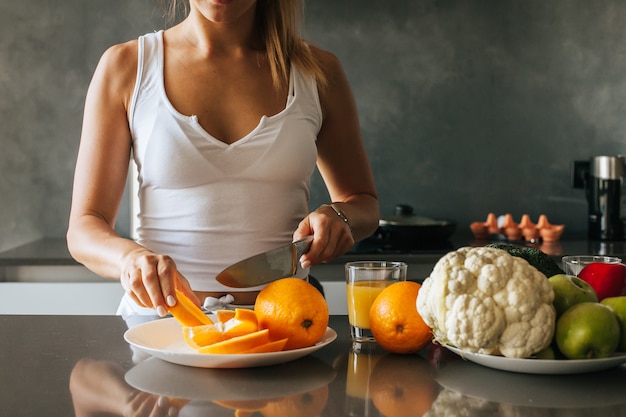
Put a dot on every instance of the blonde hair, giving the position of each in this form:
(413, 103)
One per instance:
(278, 23)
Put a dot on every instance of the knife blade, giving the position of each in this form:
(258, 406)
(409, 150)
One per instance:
(281, 262)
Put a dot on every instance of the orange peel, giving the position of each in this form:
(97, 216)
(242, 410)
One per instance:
(275, 346)
(187, 313)
(238, 344)
(241, 322)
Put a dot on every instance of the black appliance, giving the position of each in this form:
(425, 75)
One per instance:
(605, 197)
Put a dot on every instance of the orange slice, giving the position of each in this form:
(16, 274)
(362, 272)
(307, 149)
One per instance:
(238, 344)
(224, 315)
(206, 334)
(246, 314)
(239, 313)
(241, 322)
(275, 346)
(187, 313)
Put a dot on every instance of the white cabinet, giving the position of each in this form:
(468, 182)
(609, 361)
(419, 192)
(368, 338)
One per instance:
(73, 289)
(64, 298)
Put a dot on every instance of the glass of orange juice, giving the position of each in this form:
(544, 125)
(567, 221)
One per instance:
(361, 363)
(364, 281)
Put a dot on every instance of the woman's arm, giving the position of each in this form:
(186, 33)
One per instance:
(99, 181)
(344, 166)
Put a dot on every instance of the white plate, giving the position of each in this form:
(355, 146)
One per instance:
(163, 338)
(158, 377)
(586, 390)
(542, 366)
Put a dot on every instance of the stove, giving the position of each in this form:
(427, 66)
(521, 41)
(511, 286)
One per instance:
(382, 244)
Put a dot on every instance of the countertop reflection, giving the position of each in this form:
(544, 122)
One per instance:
(81, 365)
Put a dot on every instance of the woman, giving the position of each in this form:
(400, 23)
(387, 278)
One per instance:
(226, 115)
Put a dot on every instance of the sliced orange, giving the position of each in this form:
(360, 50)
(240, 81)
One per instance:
(246, 314)
(206, 334)
(275, 346)
(238, 344)
(241, 322)
(224, 315)
(187, 313)
(244, 322)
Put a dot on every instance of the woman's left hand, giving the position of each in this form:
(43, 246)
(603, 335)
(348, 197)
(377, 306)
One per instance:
(332, 236)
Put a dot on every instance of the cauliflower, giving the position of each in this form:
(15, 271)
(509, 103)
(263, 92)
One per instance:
(485, 300)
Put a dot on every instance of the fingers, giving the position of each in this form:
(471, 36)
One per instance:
(150, 280)
(331, 236)
(144, 404)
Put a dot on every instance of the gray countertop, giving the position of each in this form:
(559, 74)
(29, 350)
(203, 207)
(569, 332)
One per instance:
(81, 365)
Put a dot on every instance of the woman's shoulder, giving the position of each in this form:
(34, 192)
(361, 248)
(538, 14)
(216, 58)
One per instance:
(336, 81)
(120, 55)
(118, 64)
(116, 71)
(328, 61)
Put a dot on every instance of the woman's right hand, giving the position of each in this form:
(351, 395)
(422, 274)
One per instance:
(151, 280)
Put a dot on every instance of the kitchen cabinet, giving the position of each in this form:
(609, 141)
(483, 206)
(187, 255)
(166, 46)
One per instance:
(66, 298)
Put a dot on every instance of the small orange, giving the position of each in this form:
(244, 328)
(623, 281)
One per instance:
(187, 313)
(403, 386)
(292, 308)
(395, 322)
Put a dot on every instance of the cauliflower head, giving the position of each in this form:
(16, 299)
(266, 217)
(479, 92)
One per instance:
(484, 300)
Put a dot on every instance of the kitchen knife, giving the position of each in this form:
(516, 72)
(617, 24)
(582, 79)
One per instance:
(281, 262)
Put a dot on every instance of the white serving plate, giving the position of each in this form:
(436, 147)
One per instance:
(542, 366)
(584, 390)
(163, 339)
(158, 377)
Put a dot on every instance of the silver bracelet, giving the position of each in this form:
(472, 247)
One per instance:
(341, 215)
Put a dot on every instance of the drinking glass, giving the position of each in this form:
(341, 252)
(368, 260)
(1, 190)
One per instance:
(364, 281)
(572, 265)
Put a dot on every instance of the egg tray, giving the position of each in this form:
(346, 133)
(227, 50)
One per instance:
(524, 230)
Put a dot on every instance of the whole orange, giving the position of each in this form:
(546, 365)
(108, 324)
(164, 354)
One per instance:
(403, 386)
(395, 322)
(294, 309)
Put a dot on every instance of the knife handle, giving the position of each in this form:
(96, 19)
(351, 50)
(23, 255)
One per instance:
(302, 246)
(299, 248)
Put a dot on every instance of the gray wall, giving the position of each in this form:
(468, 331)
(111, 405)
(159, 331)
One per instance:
(467, 107)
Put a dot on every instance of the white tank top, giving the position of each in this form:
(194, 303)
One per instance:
(208, 204)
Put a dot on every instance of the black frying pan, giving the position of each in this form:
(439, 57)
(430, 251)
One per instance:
(405, 228)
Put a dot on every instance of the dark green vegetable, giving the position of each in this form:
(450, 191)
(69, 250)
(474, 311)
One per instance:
(540, 260)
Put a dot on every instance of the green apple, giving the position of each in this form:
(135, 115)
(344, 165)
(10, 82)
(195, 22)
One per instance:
(587, 331)
(618, 305)
(570, 290)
